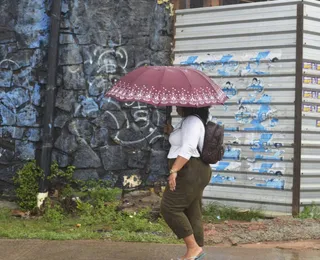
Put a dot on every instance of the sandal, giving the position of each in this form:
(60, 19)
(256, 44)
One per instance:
(198, 257)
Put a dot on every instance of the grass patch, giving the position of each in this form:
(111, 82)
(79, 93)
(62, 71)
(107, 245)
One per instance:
(104, 221)
(90, 210)
(76, 209)
(215, 213)
(125, 228)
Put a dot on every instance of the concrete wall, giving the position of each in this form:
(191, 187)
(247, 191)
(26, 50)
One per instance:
(99, 42)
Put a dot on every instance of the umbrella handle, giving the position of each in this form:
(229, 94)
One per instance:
(168, 115)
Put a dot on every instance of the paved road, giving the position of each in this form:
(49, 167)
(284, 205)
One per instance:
(98, 250)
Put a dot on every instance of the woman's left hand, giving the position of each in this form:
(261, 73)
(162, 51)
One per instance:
(172, 181)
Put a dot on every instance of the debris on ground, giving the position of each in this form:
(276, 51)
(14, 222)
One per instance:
(263, 230)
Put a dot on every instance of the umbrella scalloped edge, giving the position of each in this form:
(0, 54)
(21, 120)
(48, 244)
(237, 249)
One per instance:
(202, 97)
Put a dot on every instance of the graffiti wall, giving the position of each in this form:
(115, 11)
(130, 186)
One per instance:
(23, 40)
(100, 41)
(255, 65)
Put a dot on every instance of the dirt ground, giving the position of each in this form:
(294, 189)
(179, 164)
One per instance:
(278, 231)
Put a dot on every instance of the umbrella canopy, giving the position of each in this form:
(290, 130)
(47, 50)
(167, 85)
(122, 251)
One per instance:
(168, 86)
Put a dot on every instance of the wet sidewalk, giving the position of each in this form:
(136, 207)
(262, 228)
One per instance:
(98, 250)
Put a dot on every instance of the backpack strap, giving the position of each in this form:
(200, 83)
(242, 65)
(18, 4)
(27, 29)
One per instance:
(198, 150)
(200, 119)
(204, 130)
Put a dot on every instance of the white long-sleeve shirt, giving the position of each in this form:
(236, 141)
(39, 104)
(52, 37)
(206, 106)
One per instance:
(186, 137)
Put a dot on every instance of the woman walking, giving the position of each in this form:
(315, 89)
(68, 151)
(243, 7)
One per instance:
(189, 175)
(177, 86)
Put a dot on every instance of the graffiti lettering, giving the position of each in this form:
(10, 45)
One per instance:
(140, 124)
(8, 61)
(108, 61)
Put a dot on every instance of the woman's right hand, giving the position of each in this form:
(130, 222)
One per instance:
(172, 181)
(168, 128)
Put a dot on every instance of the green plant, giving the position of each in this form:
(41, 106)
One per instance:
(84, 207)
(104, 194)
(215, 212)
(139, 222)
(133, 223)
(53, 212)
(96, 191)
(27, 184)
(92, 184)
(312, 211)
(62, 180)
(101, 212)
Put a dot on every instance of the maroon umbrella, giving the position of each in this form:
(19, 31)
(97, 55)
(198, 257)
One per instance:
(168, 86)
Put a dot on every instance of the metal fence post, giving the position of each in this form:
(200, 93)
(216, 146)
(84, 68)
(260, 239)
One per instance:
(298, 114)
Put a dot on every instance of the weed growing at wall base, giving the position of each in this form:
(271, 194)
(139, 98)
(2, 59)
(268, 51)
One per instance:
(312, 211)
(215, 212)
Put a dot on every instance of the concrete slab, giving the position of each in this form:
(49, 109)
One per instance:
(98, 250)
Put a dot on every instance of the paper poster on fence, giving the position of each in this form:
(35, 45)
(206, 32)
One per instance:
(310, 80)
(309, 108)
(311, 66)
(311, 94)
(307, 94)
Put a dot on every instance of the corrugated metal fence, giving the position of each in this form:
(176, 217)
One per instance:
(251, 51)
(310, 153)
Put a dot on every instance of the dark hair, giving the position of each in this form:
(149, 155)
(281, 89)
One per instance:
(202, 112)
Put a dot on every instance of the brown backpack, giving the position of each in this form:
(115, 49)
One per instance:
(213, 148)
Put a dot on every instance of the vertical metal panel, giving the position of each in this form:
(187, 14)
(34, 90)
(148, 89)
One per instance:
(310, 152)
(312, 9)
(250, 50)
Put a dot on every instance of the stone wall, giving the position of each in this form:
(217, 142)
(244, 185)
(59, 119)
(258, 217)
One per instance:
(100, 40)
(23, 40)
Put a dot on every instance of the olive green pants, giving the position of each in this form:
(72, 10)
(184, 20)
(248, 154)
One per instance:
(182, 208)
